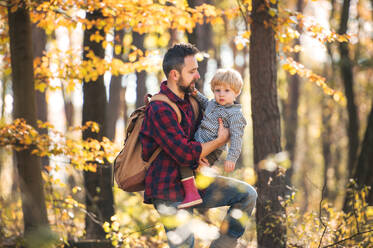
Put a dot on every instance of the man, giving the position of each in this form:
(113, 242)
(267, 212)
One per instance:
(163, 187)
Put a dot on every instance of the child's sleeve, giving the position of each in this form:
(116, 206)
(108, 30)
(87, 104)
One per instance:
(237, 125)
(203, 101)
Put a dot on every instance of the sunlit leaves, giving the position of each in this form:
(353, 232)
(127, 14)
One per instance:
(306, 228)
(205, 177)
(294, 67)
(273, 161)
(83, 154)
(70, 70)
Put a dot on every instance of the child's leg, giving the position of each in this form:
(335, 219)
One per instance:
(186, 172)
(192, 196)
(214, 156)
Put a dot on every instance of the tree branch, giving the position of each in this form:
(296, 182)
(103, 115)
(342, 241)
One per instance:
(320, 209)
(343, 240)
(244, 15)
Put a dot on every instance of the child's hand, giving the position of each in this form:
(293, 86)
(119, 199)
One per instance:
(194, 92)
(229, 166)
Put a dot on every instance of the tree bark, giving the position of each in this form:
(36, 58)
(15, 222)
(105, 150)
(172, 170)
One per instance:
(113, 107)
(266, 127)
(291, 108)
(201, 37)
(348, 82)
(99, 195)
(39, 41)
(327, 110)
(29, 166)
(364, 169)
(138, 41)
(326, 140)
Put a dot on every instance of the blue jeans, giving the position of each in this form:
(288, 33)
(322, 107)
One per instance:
(223, 191)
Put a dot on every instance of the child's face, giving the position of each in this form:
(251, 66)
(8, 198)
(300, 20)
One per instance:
(224, 95)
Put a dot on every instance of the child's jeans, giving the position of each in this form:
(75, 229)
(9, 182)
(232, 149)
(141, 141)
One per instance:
(224, 191)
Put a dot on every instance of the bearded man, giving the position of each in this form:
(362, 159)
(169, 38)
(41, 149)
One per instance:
(163, 186)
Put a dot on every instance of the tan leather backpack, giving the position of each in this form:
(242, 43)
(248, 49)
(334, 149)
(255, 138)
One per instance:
(129, 167)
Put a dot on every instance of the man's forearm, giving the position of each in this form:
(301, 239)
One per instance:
(211, 146)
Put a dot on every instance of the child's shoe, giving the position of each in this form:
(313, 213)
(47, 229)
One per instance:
(192, 196)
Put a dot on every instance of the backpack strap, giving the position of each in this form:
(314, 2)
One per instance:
(164, 98)
(195, 106)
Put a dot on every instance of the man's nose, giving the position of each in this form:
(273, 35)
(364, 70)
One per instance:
(197, 75)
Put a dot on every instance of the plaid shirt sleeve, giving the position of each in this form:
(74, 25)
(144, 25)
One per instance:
(171, 137)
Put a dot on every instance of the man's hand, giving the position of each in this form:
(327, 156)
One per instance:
(223, 137)
(229, 166)
(202, 162)
(194, 92)
(223, 133)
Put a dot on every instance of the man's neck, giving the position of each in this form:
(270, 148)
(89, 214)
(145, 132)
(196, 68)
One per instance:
(173, 87)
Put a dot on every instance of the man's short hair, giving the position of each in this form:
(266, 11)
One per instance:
(174, 57)
(229, 77)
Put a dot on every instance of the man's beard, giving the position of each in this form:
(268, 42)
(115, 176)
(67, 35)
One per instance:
(186, 89)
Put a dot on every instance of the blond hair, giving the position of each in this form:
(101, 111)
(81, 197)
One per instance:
(229, 77)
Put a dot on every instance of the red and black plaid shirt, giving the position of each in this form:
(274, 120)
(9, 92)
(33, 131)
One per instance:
(161, 128)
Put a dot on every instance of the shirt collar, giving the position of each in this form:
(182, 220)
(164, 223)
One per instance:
(171, 95)
(228, 105)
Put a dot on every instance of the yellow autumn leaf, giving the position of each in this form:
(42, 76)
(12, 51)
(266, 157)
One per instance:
(240, 46)
(369, 212)
(104, 44)
(76, 189)
(328, 91)
(106, 226)
(132, 56)
(117, 49)
(115, 226)
(199, 57)
(342, 38)
(40, 87)
(246, 34)
(272, 12)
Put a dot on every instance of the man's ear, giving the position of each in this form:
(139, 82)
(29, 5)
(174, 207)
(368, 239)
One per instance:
(174, 74)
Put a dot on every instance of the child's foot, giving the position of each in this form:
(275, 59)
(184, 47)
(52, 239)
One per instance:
(192, 196)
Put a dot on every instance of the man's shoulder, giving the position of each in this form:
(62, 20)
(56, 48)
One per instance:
(158, 105)
(159, 109)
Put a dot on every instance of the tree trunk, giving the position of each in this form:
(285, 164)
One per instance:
(3, 94)
(99, 195)
(326, 140)
(39, 39)
(113, 107)
(364, 169)
(201, 37)
(330, 155)
(138, 41)
(29, 166)
(67, 98)
(266, 128)
(348, 81)
(291, 108)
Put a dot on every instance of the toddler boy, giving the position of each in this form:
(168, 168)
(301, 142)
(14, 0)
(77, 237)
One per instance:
(226, 86)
